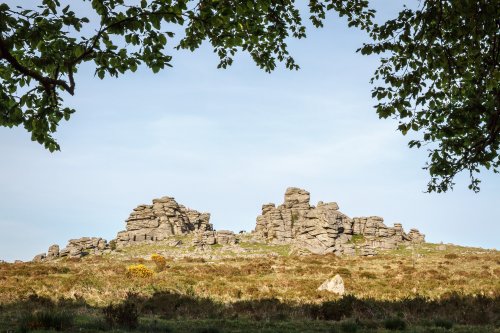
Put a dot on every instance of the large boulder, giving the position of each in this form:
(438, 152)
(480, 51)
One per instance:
(203, 238)
(39, 257)
(225, 237)
(53, 252)
(415, 236)
(334, 285)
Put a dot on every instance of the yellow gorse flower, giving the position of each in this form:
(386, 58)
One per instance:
(139, 271)
(159, 261)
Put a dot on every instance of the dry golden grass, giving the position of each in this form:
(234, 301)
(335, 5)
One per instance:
(391, 275)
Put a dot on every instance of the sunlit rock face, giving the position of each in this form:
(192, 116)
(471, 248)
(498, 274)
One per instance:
(164, 218)
(324, 229)
(319, 229)
(76, 248)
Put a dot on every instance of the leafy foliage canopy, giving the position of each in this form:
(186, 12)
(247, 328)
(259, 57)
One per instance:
(438, 75)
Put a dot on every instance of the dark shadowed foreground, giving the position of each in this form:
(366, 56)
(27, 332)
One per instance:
(172, 312)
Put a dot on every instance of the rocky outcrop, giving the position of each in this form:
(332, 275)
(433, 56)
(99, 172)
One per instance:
(318, 229)
(225, 237)
(81, 247)
(210, 237)
(324, 229)
(76, 248)
(53, 252)
(204, 238)
(164, 218)
(376, 234)
(39, 257)
(415, 236)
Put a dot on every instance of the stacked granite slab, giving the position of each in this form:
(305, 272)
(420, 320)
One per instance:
(76, 248)
(211, 237)
(161, 220)
(324, 229)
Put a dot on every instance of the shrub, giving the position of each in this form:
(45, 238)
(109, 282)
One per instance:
(370, 324)
(349, 327)
(159, 261)
(46, 320)
(154, 327)
(443, 323)
(451, 256)
(394, 324)
(339, 309)
(112, 245)
(139, 271)
(124, 315)
(96, 324)
(209, 330)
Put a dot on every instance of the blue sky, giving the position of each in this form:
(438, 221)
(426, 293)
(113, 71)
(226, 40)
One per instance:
(225, 142)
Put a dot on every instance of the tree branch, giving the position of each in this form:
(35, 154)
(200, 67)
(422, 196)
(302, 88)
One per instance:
(46, 82)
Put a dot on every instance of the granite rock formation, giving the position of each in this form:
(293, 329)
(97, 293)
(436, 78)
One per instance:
(320, 230)
(204, 238)
(211, 237)
(81, 247)
(39, 257)
(225, 237)
(164, 218)
(76, 248)
(324, 229)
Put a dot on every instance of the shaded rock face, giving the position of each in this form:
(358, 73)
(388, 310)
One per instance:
(164, 218)
(324, 229)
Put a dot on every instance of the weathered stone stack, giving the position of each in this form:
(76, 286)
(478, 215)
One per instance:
(81, 247)
(225, 237)
(164, 218)
(76, 248)
(376, 233)
(53, 252)
(415, 236)
(210, 237)
(324, 229)
(204, 238)
(321, 229)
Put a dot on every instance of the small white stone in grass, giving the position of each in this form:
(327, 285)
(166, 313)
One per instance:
(334, 285)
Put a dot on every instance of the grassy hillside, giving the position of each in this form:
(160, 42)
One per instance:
(258, 288)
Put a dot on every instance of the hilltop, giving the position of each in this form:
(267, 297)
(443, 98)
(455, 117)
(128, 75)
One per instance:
(171, 271)
(320, 229)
